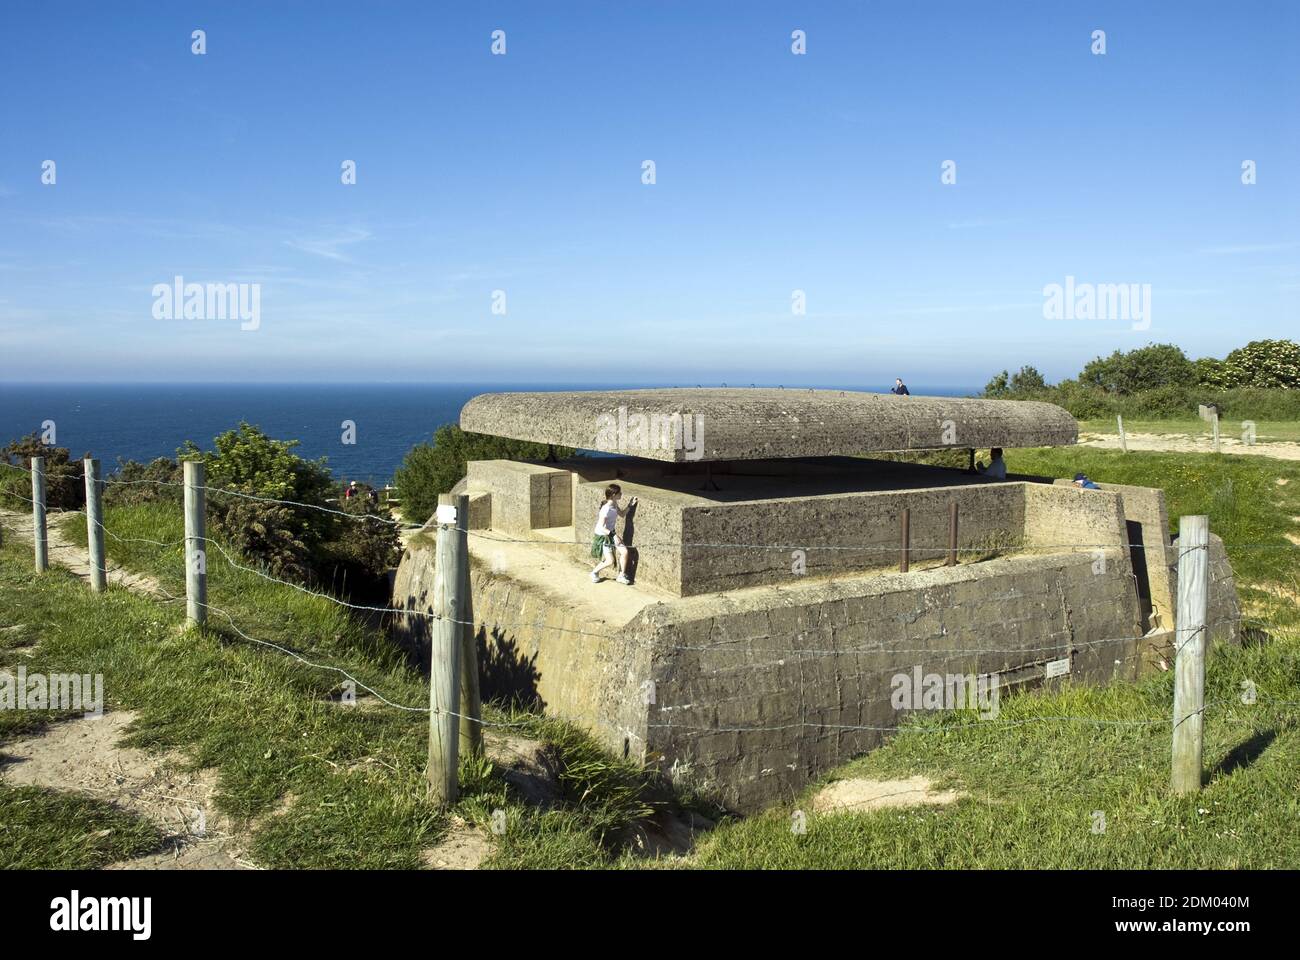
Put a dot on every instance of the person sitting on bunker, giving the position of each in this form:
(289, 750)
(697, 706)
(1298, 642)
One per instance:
(605, 542)
(996, 468)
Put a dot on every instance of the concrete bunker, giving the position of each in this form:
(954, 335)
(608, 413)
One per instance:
(767, 623)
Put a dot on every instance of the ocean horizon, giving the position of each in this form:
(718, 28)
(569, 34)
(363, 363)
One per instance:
(142, 421)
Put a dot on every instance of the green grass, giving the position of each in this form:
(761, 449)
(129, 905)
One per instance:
(1246, 505)
(1029, 792)
(319, 785)
(48, 830)
(1266, 431)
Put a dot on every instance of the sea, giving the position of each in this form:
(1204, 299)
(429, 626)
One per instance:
(122, 421)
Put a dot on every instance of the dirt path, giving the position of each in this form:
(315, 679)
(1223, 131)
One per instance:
(85, 756)
(1187, 443)
(65, 553)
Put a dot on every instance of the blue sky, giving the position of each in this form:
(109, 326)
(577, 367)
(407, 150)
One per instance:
(523, 173)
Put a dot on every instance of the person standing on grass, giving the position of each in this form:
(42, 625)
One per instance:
(605, 542)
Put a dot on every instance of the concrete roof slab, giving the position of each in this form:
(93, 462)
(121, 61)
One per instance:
(722, 423)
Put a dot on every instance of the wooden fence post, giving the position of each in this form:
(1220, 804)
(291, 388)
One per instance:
(1123, 438)
(907, 540)
(1189, 657)
(445, 645)
(471, 709)
(196, 543)
(1215, 424)
(40, 539)
(95, 525)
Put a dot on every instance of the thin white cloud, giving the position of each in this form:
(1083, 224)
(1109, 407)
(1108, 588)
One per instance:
(329, 247)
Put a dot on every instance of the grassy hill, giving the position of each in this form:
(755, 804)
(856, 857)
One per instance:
(318, 785)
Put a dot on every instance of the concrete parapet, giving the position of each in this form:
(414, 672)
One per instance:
(525, 496)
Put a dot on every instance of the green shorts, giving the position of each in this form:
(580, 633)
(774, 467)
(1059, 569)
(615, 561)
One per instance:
(599, 543)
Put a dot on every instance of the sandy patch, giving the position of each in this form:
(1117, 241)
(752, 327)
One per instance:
(1186, 443)
(463, 848)
(860, 795)
(84, 756)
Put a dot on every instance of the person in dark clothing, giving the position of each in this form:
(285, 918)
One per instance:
(900, 388)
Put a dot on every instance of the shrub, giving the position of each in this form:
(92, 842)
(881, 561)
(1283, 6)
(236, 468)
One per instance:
(65, 484)
(1083, 402)
(1027, 380)
(1025, 383)
(1171, 400)
(135, 482)
(1211, 372)
(362, 550)
(1271, 364)
(269, 534)
(1146, 368)
(998, 387)
(285, 538)
(1257, 403)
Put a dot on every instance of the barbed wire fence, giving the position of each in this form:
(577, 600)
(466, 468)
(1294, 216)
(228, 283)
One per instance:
(446, 689)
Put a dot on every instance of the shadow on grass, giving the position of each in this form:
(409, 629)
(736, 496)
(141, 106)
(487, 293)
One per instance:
(1243, 755)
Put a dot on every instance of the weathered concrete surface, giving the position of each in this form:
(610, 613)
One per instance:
(769, 520)
(1147, 535)
(841, 533)
(756, 692)
(744, 424)
(525, 496)
(767, 682)
(547, 636)
(759, 692)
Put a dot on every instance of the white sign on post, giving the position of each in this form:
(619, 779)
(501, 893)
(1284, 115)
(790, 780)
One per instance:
(446, 513)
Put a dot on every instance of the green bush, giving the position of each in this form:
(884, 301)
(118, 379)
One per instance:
(433, 468)
(1146, 368)
(1156, 382)
(1211, 372)
(1167, 402)
(286, 539)
(134, 482)
(272, 535)
(65, 484)
(1024, 384)
(362, 549)
(1270, 364)
(1256, 403)
(1083, 403)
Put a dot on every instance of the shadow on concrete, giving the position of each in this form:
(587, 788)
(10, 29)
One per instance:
(506, 675)
(629, 541)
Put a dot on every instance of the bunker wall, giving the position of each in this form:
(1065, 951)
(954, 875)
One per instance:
(841, 533)
(756, 699)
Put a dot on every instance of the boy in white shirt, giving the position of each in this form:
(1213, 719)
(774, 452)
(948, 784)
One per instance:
(605, 541)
